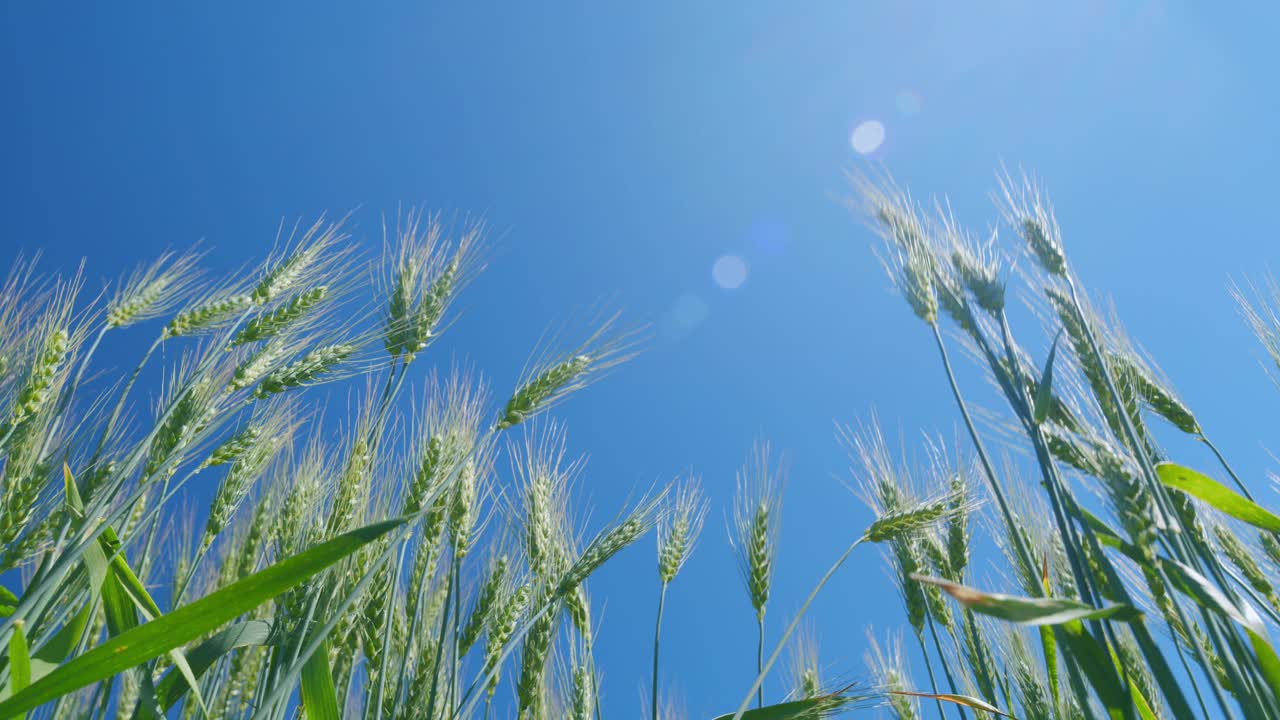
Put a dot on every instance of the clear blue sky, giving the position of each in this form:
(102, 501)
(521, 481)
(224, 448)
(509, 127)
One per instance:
(619, 150)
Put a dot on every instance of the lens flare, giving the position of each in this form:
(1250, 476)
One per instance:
(729, 272)
(867, 137)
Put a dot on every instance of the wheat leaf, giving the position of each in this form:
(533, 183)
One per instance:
(172, 687)
(146, 642)
(1029, 611)
(319, 697)
(1044, 390)
(964, 700)
(19, 659)
(1217, 495)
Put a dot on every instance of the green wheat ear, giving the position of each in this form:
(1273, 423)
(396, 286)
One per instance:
(557, 373)
(679, 528)
(428, 272)
(630, 528)
(207, 315)
(38, 387)
(307, 370)
(152, 291)
(907, 522)
(755, 524)
(535, 394)
(273, 323)
(487, 599)
(311, 255)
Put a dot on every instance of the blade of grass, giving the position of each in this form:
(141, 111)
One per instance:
(172, 686)
(1095, 662)
(1044, 390)
(1028, 611)
(809, 709)
(319, 696)
(1217, 495)
(19, 660)
(189, 622)
(58, 647)
(964, 700)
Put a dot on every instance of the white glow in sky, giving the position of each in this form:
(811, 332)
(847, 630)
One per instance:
(729, 272)
(868, 136)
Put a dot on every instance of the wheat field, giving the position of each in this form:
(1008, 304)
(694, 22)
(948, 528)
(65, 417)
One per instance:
(429, 559)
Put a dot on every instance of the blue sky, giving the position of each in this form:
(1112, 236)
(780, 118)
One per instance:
(619, 150)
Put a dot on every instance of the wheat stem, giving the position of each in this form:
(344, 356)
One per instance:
(657, 636)
(928, 666)
(1024, 556)
(119, 406)
(450, 584)
(1222, 460)
(1158, 490)
(946, 670)
(791, 627)
(760, 658)
(201, 552)
(388, 618)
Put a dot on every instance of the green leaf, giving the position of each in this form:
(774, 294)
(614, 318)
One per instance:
(58, 647)
(189, 622)
(1095, 661)
(1219, 496)
(811, 709)
(8, 601)
(122, 592)
(1029, 611)
(1267, 660)
(319, 697)
(173, 685)
(72, 492)
(132, 588)
(121, 614)
(19, 659)
(1044, 389)
(1050, 647)
(1140, 702)
(1049, 643)
(964, 700)
(1208, 596)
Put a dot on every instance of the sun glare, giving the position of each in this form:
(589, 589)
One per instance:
(867, 137)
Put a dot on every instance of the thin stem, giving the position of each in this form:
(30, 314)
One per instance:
(191, 573)
(1018, 542)
(657, 635)
(456, 665)
(1021, 401)
(415, 616)
(444, 628)
(124, 394)
(951, 682)
(791, 627)
(1222, 460)
(1186, 667)
(1180, 542)
(928, 666)
(759, 658)
(388, 620)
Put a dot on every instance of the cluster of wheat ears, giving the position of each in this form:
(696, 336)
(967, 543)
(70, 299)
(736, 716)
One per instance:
(404, 568)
